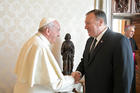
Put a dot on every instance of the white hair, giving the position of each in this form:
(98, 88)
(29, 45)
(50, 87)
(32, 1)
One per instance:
(128, 27)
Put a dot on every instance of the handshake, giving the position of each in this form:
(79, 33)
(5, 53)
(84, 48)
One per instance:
(77, 76)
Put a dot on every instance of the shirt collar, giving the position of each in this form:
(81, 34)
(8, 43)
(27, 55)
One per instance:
(101, 34)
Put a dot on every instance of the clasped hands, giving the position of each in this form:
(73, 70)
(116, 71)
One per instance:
(77, 76)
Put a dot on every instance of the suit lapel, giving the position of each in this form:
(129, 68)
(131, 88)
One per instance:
(98, 47)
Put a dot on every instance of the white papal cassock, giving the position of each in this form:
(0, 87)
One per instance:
(37, 70)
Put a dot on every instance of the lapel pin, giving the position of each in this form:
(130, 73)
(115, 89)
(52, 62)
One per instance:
(101, 41)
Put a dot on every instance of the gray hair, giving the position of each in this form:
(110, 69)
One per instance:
(128, 27)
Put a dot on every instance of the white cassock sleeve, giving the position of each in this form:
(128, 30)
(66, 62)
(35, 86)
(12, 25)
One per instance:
(37, 66)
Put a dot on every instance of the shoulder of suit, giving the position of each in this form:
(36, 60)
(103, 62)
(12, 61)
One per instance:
(116, 34)
(115, 37)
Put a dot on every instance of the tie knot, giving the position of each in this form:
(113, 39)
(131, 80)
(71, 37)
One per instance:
(95, 40)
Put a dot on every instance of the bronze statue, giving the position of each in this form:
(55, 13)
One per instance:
(67, 52)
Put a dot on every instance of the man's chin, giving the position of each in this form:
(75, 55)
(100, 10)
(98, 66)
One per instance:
(90, 35)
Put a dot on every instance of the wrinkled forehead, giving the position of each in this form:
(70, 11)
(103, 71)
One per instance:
(56, 24)
(90, 17)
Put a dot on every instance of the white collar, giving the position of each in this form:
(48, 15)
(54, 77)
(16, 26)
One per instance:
(43, 38)
(101, 34)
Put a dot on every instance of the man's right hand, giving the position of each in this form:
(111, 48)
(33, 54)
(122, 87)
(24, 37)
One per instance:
(77, 76)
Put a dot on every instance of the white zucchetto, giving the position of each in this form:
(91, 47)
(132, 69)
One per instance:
(46, 21)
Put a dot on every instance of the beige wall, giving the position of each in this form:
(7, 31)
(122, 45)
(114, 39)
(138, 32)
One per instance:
(19, 20)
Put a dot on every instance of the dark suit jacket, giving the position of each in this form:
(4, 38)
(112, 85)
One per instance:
(134, 48)
(133, 44)
(110, 67)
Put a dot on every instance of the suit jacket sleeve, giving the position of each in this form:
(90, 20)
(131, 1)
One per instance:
(122, 66)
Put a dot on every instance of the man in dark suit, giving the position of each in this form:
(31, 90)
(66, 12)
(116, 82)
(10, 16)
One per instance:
(129, 33)
(108, 63)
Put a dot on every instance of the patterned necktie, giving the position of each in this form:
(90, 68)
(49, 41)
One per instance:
(92, 46)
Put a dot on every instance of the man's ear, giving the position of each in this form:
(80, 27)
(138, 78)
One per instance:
(101, 21)
(47, 31)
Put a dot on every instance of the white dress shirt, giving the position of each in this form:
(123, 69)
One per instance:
(100, 36)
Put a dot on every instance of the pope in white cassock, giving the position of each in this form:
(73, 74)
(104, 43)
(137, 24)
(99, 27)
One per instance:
(36, 69)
